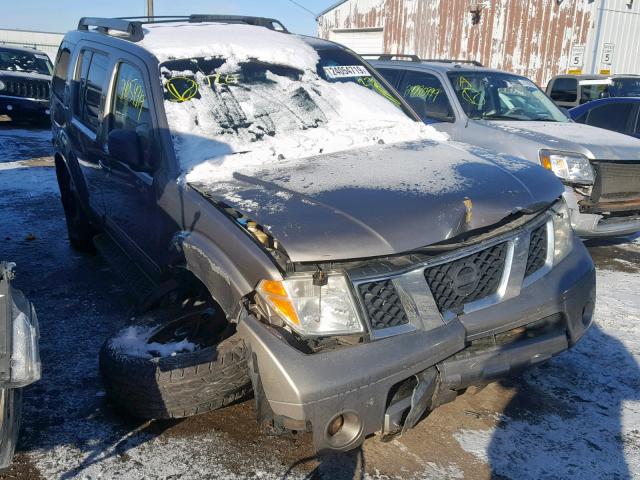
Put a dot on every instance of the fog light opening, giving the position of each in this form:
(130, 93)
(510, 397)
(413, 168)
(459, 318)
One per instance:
(343, 430)
(335, 425)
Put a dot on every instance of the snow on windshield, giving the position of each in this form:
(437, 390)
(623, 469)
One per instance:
(226, 113)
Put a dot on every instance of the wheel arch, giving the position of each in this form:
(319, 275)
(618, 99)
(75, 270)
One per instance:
(225, 283)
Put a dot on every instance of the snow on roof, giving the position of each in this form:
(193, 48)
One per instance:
(238, 41)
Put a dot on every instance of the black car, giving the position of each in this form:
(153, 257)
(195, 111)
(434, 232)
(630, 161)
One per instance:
(25, 79)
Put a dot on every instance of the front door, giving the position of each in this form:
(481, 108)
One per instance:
(132, 215)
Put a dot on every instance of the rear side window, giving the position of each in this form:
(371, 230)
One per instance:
(61, 72)
(613, 116)
(391, 75)
(564, 89)
(592, 92)
(426, 96)
(93, 76)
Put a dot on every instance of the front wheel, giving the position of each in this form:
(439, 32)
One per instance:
(169, 364)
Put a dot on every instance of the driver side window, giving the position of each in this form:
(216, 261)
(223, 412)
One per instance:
(130, 109)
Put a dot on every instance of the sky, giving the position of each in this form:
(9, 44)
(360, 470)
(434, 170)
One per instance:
(63, 15)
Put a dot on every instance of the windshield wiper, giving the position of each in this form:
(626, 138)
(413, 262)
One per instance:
(502, 117)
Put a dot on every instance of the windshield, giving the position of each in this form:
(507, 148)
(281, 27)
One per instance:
(16, 61)
(502, 96)
(245, 105)
(625, 87)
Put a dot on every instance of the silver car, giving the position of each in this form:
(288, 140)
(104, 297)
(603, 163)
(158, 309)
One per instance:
(509, 114)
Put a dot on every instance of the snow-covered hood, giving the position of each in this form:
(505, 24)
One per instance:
(594, 142)
(384, 199)
(7, 74)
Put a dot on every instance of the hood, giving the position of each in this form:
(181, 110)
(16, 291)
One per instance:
(7, 74)
(594, 142)
(384, 200)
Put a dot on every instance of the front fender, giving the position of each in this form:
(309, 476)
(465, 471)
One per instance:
(225, 278)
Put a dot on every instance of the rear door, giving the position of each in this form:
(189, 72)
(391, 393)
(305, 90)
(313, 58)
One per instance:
(89, 93)
(616, 116)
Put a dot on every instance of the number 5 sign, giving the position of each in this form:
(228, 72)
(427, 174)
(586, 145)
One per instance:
(607, 53)
(577, 56)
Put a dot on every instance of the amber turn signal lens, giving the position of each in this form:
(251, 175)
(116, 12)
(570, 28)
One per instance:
(285, 308)
(276, 295)
(273, 287)
(546, 162)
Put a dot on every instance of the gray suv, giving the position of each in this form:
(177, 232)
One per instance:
(307, 238)
(508, 113)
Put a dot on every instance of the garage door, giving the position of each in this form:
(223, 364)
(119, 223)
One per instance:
(360, 40)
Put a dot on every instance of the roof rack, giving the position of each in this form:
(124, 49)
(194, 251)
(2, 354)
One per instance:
(107, 25)
(270, 23)
(132, 26)
(390, 56)
(453, 60)
(416, 58)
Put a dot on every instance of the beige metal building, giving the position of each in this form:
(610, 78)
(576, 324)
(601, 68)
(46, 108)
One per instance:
(47, 42)
(536, 38)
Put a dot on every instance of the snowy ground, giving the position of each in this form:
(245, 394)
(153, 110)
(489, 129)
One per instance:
(576, 417)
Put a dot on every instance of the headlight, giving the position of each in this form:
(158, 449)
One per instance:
(571, 167)
(562, 232)
(2, 85)
(311, 309)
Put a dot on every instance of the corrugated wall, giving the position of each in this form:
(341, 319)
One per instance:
(617, 22)
(529, 37)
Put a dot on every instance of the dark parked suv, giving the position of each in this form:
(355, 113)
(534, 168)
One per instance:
(25, 77)
(306, 236)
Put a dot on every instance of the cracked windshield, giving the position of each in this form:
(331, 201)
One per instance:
(251, 100)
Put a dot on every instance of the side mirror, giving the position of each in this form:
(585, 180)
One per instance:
(124, 146)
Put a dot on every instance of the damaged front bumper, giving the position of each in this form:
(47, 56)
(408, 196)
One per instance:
(387, 384)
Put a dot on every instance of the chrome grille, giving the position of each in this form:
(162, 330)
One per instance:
(537, 250)
(467, 279)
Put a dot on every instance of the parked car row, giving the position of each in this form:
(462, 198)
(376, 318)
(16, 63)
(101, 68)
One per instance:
(307, 237)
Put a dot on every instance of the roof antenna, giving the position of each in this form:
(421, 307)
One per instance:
(303, 7)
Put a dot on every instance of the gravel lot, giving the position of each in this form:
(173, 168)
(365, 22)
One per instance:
(577, 416)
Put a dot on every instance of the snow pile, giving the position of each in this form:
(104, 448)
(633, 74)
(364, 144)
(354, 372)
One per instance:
(401, 167)
(230, 125)
(134, 341)
(230, 41)
(282, 120)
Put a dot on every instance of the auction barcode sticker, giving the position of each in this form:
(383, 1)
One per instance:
(345, 71)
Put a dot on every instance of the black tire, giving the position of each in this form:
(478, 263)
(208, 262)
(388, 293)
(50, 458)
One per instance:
(79, 228)
(176, 386)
